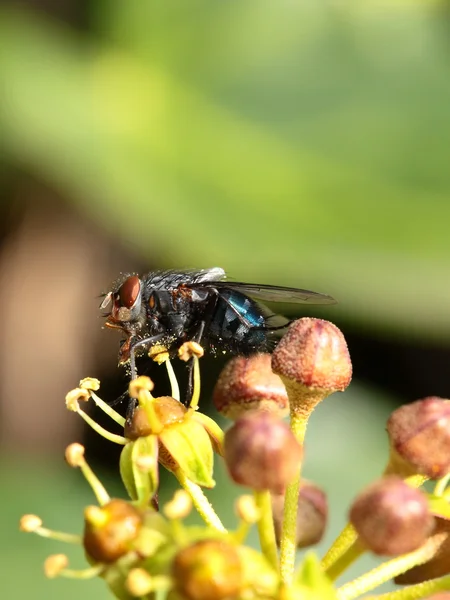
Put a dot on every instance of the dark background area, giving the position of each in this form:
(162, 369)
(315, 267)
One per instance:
(295, 144)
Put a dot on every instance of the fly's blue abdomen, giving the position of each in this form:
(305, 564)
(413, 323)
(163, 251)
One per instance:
(246, 308)
(240, 322)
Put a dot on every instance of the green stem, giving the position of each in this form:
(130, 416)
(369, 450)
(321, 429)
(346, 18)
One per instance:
(266, 529)
(339, 547)
(419, 591)
(391, 569)
(288, 543)
(200, 501)
(351, 554)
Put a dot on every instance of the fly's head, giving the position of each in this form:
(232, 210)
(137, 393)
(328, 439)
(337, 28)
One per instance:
(125, 308)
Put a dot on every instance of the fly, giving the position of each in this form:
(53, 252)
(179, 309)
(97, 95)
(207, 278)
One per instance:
(172, 307)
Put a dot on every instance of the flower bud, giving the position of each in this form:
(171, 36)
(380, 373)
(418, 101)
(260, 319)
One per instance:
(438, 566)
(419, 434)
(261, 452)
(248, 382)
(391, 518)
(313, 361)
(311, 517)
(110, 530)
(208, 570)
(167, 411)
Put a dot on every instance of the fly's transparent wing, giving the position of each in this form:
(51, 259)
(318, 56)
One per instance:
(205, 275)
(273, 293)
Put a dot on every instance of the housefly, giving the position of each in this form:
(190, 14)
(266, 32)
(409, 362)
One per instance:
(170, 307)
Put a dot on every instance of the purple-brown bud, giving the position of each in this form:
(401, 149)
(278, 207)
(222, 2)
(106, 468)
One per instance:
(312, 360)
(261, 452)
(248, 383)
(391, 518)
(167, 411)
(419, 434)
(110, 530)
(208, 570)
(438, 566)
(311, 517)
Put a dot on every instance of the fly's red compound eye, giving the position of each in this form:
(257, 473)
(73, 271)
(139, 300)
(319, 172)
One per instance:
(129, 291)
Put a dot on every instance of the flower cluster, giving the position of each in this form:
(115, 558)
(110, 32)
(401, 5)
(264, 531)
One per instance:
(142, 550)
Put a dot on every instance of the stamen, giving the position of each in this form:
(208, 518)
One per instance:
(33, 524)
(247, 509)
(161, 357)
(51, 565)
(192, 350)
(140, 383)
(95, 516)
(145, 400)
(179, 507)
(88, 573)
(140, 583)
(82, 394)
(196, 391)
(75, 458)
(75, 396)
(175, 389)
(91, 384)
(55, 565)
(107, 409)
(112, 437)
(248, 513)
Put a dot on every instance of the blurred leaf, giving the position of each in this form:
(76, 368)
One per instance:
(299, 146)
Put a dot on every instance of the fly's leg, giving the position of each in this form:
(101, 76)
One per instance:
(132, 403)
(149, 341)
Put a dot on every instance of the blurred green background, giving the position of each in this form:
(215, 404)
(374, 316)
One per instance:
(297, 143)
